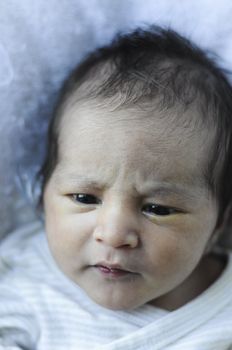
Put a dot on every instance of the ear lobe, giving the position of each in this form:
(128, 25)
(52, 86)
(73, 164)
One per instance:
(212, 241)
(218, 231)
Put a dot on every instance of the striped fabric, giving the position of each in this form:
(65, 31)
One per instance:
(42, 309)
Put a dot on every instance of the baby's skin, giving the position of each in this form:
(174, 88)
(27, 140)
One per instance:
(128, 214)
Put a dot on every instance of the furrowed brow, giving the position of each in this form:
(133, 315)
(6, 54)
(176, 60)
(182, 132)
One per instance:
(75, 179)
(166, 190)
(156, 189)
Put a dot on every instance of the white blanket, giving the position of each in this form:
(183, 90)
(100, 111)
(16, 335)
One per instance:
(41, 309)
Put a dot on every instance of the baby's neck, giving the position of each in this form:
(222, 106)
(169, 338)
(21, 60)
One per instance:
(205, 274)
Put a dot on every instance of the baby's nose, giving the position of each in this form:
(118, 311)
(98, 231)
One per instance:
(117, 227)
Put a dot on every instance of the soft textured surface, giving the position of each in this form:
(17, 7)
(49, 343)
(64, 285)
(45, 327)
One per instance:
(40, 42)
(43, 309)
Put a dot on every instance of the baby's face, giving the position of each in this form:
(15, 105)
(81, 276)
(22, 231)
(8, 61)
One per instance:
(127, 212)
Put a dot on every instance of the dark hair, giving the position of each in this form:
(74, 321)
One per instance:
(155, 64)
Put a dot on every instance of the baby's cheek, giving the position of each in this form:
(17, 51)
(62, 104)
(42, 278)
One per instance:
(170, 254)
(73, 230)
(174, 247)
(67, 242)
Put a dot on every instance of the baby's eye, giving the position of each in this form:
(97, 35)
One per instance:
(85, 198)
(159, 210)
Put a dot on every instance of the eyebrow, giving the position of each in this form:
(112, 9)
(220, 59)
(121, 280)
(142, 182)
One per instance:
(164, 189)
(155, 188)
(79, 179)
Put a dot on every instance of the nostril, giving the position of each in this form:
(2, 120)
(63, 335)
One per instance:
(98, 239)
(126, 245)
(116, 234)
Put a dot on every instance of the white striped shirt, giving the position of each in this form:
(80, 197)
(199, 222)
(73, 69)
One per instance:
(42, 309)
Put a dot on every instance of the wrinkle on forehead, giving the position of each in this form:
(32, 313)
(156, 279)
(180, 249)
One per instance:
(101, 111)
(163, 141)
(166, 130)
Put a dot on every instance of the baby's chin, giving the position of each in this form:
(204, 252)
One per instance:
(123, 303)
(117, 305)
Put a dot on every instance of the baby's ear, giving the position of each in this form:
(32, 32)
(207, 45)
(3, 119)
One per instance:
(219, 230)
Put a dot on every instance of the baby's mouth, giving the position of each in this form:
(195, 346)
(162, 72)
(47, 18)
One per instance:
(112, 270)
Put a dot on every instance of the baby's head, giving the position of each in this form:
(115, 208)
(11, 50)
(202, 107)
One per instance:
(136, 182)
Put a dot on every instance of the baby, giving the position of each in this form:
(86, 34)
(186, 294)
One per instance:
(136, 191)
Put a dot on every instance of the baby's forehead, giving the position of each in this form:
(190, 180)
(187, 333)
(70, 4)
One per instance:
(161, 137)
(174, 124)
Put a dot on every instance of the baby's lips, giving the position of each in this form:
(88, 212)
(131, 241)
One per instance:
(113, 267)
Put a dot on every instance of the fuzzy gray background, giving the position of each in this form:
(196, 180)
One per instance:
(40, 42)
